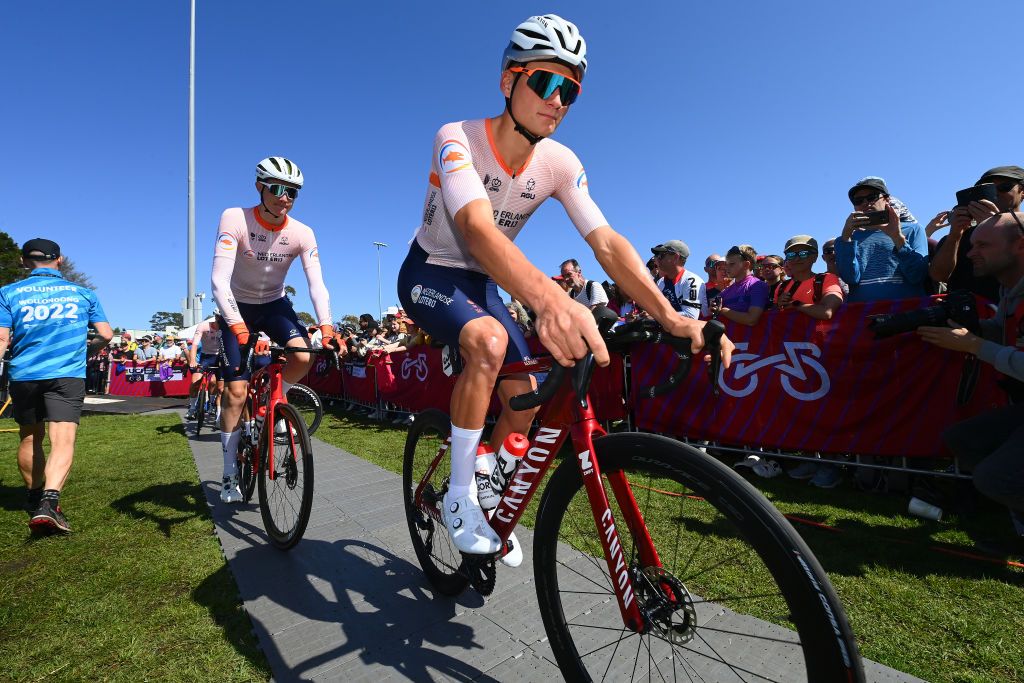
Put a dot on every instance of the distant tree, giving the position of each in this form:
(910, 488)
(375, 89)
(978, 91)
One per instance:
(117, 331)
(289, 291)
(350, 319)
(72, 274)
(162, 319)
(11, 269)
(305, 318)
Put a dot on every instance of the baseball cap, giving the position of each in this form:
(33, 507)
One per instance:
(40, 247)
(674, 246)
(1012, 172)
(873, 182)
(802, 240)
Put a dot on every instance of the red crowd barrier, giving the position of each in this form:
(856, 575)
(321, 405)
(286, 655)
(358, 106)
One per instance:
(129, 378)
(805, 385)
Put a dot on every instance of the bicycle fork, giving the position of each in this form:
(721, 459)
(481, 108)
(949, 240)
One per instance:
(618, 565)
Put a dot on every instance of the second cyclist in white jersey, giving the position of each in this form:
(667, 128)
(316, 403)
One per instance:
(254, 250)
(487, 178)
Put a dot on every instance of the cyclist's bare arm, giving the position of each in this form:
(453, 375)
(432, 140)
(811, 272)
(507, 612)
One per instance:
(564, 326)
(623, 265)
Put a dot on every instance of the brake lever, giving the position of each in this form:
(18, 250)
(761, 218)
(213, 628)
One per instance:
(714, 330)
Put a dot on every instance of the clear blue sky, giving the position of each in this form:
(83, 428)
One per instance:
(715, 123)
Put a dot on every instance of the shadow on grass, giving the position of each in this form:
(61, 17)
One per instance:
(13, 495)
(164, 504)
(372, 604)
(217, 593)
(172, 429)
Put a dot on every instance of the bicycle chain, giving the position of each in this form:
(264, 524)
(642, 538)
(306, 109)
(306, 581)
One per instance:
(481, 572)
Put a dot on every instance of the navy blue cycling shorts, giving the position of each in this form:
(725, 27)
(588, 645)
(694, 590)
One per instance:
(442, 300)
(276, 318)
(207, 360)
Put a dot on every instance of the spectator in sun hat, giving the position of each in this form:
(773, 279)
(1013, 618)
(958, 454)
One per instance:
(814, 295)
(685, 290)
(950, 263)
(884, 261)
(145, 351)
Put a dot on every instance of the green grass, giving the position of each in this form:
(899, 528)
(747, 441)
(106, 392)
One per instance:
(139, 590)
(936, 616)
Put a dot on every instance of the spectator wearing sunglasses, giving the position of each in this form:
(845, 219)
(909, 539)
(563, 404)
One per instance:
(814, 295)
(991, 444)
(773, 272)
(828, 255)
(254, 250)
(684, 289)
(718, 275)
(488, 177)
(882, 253)
(747, 297)
(950, 264)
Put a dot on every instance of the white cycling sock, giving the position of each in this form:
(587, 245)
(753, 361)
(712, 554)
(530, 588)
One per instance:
(229, 442)
(463, 454)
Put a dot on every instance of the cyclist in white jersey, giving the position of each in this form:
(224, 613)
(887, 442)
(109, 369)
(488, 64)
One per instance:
(207, 337)
(254, 250)
(487, 177)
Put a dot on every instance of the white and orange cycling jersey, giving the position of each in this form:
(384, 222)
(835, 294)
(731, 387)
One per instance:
(467, 166)
(207, 338)
(251, 259)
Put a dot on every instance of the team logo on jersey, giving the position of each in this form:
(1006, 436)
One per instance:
(283, 241)
(453, 156)
(581, 181)
(495, 185)
(249, 253)
(530, 184)
(415, 294)
(314, 253)
(226, 242)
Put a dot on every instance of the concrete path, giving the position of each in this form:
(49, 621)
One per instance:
(350, 603)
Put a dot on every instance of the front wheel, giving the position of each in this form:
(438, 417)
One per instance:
(286, 485)
(200, 409)
(307, 402)
(437, 554)
(734, 594)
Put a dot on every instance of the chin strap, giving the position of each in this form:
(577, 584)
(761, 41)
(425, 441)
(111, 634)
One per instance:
(530, 137)
(263, 204)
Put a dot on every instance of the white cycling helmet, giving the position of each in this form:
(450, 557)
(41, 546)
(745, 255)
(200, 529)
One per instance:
(548, 38)
(279, 168)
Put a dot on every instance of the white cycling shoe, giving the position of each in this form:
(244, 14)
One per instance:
(468, 526)
(514, 557)
(230, 492)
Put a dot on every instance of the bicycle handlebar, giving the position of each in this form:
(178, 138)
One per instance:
(619, 340)
(248, 357)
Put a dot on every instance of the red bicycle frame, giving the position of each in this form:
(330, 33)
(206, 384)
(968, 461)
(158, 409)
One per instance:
(562, 416)
(265, 394)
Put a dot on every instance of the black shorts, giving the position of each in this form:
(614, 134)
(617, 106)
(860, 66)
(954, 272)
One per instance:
(443, 300)
(49, 400)
(277, 318)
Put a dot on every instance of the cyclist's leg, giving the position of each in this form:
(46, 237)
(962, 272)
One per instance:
(279, 321)
(232, 400)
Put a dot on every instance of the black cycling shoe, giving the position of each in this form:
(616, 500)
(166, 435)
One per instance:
(49, 517)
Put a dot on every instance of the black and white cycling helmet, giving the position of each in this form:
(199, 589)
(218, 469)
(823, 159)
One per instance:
(279, 168)
(548, 38)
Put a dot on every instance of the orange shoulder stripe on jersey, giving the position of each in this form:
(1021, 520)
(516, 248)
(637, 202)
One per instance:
(497, 155)
(269, 226)
(434, 180)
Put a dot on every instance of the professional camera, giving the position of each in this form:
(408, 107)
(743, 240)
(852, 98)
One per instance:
(957, 306)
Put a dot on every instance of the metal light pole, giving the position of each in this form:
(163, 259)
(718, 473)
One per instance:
(380, 308)
(191, 316)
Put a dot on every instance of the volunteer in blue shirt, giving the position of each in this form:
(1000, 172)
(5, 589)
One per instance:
(45, 319)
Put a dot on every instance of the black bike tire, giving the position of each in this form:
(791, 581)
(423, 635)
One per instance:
(454, 580)
(200, 409)
(285, 539)
(248, 466)
(308, 397)
(828, 644)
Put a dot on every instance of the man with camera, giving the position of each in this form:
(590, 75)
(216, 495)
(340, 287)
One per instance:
(881, 255)
(998, 189)
(992, 444)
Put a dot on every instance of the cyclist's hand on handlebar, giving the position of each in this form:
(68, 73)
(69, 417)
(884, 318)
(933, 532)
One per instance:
(694, 331)
(332, 341)
(567, 329)
(261, 348)
(241, 332)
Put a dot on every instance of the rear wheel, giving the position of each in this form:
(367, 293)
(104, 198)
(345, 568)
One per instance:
(441, 561)
(286, 489)
(737, 595)
(248, 467)
(308, 404)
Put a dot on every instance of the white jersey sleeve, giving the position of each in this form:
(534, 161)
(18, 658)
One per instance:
(314, 276)
(574, 193)
(453, 164)
(225, 252)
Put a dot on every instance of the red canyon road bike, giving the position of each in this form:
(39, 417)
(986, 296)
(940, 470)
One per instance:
(651, 559)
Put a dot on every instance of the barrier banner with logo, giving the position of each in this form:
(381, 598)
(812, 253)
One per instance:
(358, 383)
(414, 380)
(826, 386)
(323, 378)
(128, 378)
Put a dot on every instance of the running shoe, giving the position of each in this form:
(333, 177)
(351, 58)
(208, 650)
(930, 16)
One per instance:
(805, 470)
(230, 492)
(827, 477)
(49, 517)
(468, 526)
